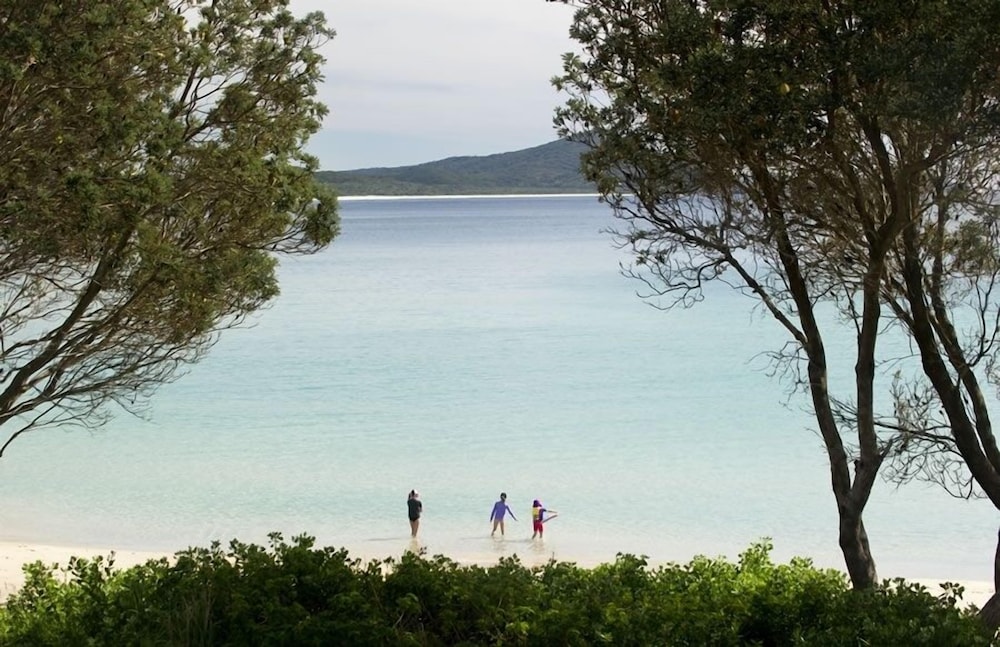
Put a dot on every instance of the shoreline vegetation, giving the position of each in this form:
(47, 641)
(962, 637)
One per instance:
(296, 593)
(15, 555)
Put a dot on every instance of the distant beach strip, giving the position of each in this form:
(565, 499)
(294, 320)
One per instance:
(496, 196)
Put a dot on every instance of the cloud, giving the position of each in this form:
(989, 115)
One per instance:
(437, 75)
(386, 84)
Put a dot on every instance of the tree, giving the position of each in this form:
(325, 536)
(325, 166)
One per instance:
(817, 155)
(152, 168)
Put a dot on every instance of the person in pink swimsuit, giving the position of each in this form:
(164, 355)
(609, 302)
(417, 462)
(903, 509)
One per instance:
(538, 518)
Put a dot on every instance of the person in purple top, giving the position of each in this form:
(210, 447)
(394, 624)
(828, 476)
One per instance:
(500, 508)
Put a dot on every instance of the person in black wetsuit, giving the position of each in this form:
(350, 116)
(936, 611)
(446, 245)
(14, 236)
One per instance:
(413, 508)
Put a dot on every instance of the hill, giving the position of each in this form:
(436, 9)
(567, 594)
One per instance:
(549, 168)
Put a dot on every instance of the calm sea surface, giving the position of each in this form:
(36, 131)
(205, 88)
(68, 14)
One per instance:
(463, 347)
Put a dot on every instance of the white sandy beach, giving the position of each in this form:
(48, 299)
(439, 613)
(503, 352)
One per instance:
(14, 555)
(976, 592)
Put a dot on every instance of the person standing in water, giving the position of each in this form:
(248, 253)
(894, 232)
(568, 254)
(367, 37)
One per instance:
(538, 518)
(414, 507)
(500, 508)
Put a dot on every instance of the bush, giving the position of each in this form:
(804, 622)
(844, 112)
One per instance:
(297, 594)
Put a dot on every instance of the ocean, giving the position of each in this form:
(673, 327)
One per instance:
(464, 347)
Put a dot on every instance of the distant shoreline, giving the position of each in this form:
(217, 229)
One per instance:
(478, 196)
(550, 168)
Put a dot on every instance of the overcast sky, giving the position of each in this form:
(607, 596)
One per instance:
(411, 81)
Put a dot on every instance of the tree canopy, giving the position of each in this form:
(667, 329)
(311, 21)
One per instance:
(814, 152)
(153, 166)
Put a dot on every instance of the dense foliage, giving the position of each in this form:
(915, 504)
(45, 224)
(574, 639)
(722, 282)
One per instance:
(153, 165)
(297, 594)
(837, 156)
(549, 168)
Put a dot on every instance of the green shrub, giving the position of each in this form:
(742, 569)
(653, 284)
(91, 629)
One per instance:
(297, 594)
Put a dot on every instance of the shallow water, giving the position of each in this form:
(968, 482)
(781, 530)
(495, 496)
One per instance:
(463, 347)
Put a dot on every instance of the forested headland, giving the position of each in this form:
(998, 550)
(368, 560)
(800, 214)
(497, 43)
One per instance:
(550, 168)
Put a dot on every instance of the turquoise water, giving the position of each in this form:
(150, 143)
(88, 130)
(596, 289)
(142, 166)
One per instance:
(463, 347)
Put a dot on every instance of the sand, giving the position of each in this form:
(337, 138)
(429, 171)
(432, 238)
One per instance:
(13, 555)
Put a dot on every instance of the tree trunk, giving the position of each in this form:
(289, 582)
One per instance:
(857, 554)
(990, 613)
